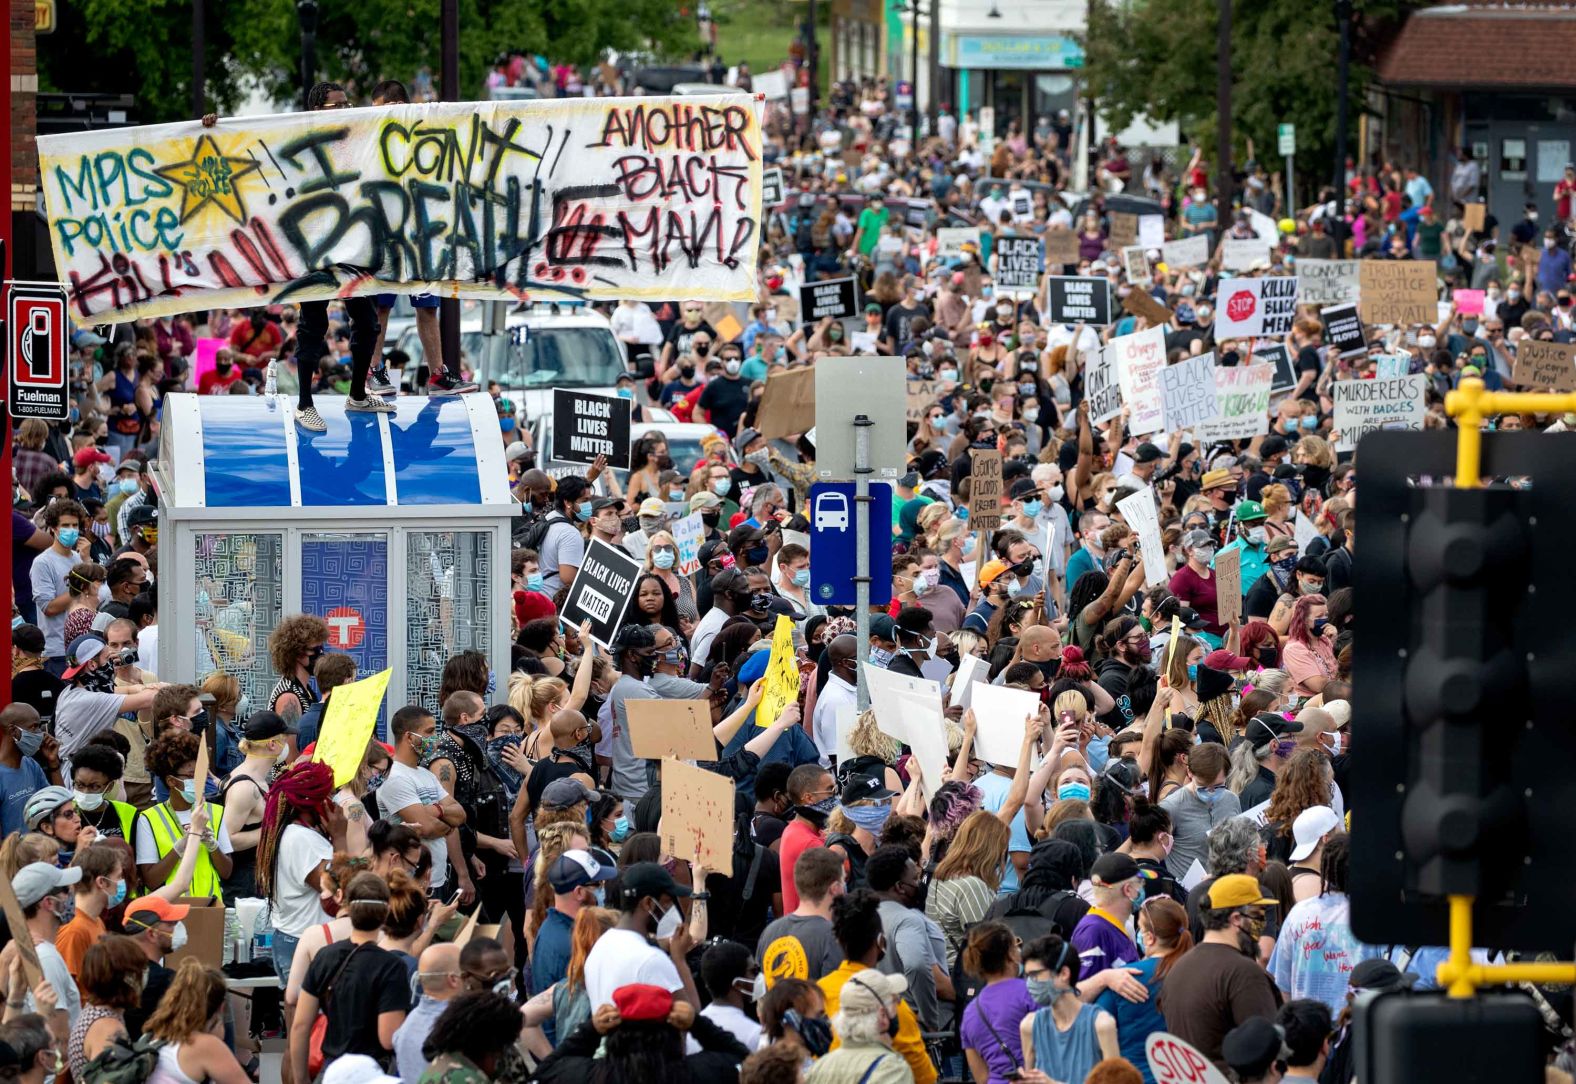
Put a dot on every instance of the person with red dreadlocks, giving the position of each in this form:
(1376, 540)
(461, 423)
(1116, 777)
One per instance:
(302, 828)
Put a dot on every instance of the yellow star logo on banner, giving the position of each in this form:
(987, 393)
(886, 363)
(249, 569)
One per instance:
(209, 176)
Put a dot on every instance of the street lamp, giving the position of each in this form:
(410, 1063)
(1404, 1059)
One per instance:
(306, 11)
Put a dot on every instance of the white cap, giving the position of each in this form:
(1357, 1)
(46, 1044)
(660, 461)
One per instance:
(356, 1069)
(517, 450)
(38, 879)
(1311, 826)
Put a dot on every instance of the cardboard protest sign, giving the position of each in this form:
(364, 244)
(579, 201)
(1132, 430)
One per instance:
(1328, 282)
(1186, 251)
(601, 590)
(1000, 711)
(697, 815)
(1469, 302)
(985, 489)
(17, 921)
(1138, 359)
(1142, 516)
(1078, 300)
(1399, 292)
(1143, 303)
(671, 728)
(1061, 246)
(925, 733)
(1279, 358)
(1545, 366)
(787, 404)
(1228, 585)
(971, 669)
(1136, 263)
(1123, 229)
(782, 675)
(771, 188)
(1101, 389)
(1151, 230)
(1242, 393)
(349, 722)
(586, 425)
(921, 394)
(1361, 406)
(1018, 266)
(1474, 216)
(1250, 308)
(1187, 392)
(494, 200)
(1343, 329)
(689, 534)
(837, 298)
(951, 239)
(1242, 255)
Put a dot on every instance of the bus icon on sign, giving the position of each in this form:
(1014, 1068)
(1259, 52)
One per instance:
(831, 512)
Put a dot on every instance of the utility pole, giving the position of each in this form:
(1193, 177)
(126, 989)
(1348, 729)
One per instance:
(1223, 114)
(449, 307)
(812, 61)
(934, 110)
(913, 66)
(199, 47)
(1343, 19)
(306, 10)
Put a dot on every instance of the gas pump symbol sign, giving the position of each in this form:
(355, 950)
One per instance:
(36, 338)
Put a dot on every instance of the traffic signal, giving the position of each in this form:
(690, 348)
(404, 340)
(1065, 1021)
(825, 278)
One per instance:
(1463, 689)
(1403, 1036)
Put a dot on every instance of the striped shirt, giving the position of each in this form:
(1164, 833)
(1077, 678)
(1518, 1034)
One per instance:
(955, 905)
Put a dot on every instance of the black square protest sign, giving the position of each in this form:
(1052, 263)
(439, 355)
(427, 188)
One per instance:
(837, 298)
(1278, 356)
(601, 591)
(1018, 265)
(586, 426)
(1079, 300)
(1343, 329)
(771, 188)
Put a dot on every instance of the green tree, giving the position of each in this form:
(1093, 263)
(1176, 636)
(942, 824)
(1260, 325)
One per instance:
(144, 46)
(1157, 58)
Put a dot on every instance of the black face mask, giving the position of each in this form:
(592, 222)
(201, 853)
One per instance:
(1050, 668)
(816, 1031)
(664, 462)
(1023, 568)
(710, 518)
(687, 372)
(1314, 477)
(817, 817)
(702, 349)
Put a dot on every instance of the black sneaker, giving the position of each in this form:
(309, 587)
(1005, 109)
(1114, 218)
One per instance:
(378, 384)
(444, 384)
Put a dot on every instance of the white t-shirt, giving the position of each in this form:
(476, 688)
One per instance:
(148, 850)
(706, 630)
(53, 965)
(81, 713)
(734, 1022)
(621, 957)
(297, 907)
(405, 787)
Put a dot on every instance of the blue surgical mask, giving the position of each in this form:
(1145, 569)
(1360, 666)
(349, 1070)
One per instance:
(869, 817)
(801, 578)
(29, 741)
(1192, 671)
(1212, 794)
(721, 486)
(969, 542)
(534, 582)
(506, 423)
(128, 486)
(1076, 791)
(879, 657)
(621, 829)
(492, 681)
(119, 895)
(583, 510)
(189, 791)
(1043, 991)
(626, 393)
(662, 558)
(1032, 508)
(67, 536)
(18, 621)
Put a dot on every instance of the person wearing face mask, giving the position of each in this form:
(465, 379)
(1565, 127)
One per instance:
(652, 519)
(577, 877)
(1309, 654)
(157, 926)
(294, 647)
(727, 395)
(95, 772)
(631, 952)
(44, 893)
(754, 466)
(813, 792)
(438, 973)
(634, 655)
(729, 973)
(1251, 541)
(1101, 937)
(680, 338)
(1194, 582)
(161, 831)
(51, 812)
(88, 704)
(792, 580)
(1218, 984)
(1199, 806)
(1257, 762)
(263, 745)
(101, 887)
(1067, 1036)
(21, 776)
(50, 576)
(837, 694)
(1124, 646)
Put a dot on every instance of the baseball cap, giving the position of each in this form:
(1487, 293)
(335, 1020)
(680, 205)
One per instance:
(85, 337)
(1234, 890)
(1280, 545)
(89, 456)
(1212, 683)
(1249, 512)
(161, 910)
(563, 793)
(863, 788)
(1312, 825)
(1266, 726)
(642, 1001)
(43, 802)
(991, 571)
(1191, 618)
(1197, 538)
(872, 306)
(356, 1069)
(578, 867)
(704, 499)
(38, 879)
(603, 502)
(1380, 974)
(262, 725)
(81, 651)
(1022, 489)
(883, 626)
(649, 879)
(1113, 868)
(869, 991)
(1217, 479)
(651, 506)
(1250, 1047)
(1272, 445)
(28, 638)
(742, 441)
(1221, 659)
(518, 450)
(1148, 453)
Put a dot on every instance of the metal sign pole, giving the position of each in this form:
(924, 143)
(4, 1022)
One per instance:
(862, 471)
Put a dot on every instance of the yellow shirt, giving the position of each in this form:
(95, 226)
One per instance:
(908, 1041)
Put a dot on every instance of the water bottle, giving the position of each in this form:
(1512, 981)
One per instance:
(232, 935)
(263, 939)
(271, 381)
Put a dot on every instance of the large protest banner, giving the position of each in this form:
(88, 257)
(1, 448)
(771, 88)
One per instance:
(563, 199)
(1255, 307)
(1187, 392)
(1361, 406)
(1138, 360)
(1399, 292)
(1328, 282)
(1243, 395)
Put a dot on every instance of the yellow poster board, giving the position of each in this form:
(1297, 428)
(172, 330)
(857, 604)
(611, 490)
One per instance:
(782, 675)
(348, 725)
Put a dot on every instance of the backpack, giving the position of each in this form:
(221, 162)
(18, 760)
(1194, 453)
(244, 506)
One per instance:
(1028, 923)
(123, 1062)
(530, 531)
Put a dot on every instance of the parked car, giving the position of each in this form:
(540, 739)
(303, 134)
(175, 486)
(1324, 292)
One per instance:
(663, 78)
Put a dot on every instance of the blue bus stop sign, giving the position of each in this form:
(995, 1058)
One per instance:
(834, 546)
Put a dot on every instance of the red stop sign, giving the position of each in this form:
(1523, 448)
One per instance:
(346, 628)
(1241, 305)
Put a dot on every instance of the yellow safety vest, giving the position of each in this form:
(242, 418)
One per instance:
(167, 830)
